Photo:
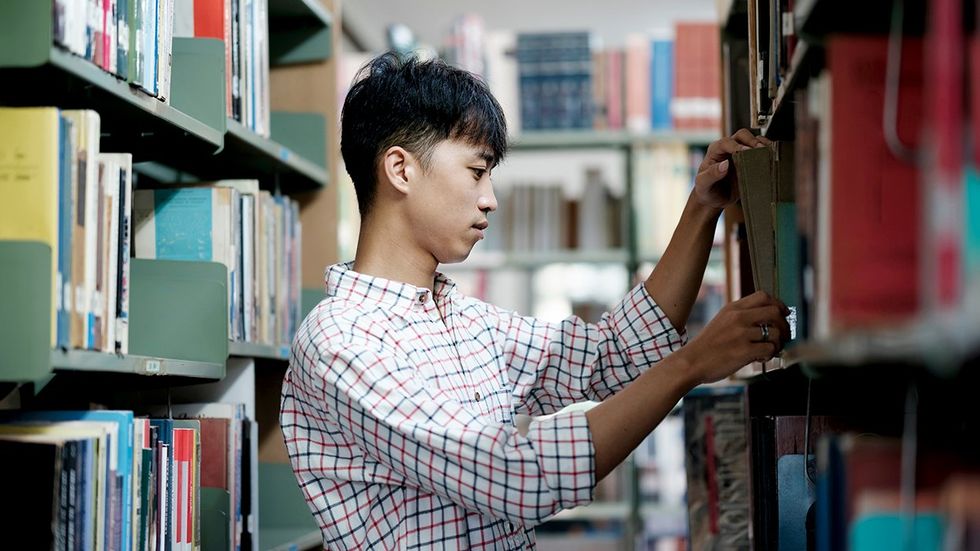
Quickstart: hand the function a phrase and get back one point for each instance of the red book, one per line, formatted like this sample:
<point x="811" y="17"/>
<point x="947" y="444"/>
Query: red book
<point x="874" y="195"/>
<point x="614" y="89"/>
<point x="184" y="486"/>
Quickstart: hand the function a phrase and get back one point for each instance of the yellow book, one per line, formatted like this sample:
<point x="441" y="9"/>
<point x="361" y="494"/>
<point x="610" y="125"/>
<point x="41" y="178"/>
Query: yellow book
<point x="29" y="183"/>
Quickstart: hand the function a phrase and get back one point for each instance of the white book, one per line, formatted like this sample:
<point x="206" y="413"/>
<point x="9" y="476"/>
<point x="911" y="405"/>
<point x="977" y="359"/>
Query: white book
<point x="119" y="318"/>
<point x="165" y="31"/>
<point x="109" y="173"/>
<point x="262" y="224"/>
<point x="248" y="265"/>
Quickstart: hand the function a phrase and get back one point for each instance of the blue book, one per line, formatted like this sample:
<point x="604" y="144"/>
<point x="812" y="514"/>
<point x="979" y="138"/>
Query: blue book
<point x="165" y="432"/>
<point x="63" y="336"/>
<point x="661" y="83"/>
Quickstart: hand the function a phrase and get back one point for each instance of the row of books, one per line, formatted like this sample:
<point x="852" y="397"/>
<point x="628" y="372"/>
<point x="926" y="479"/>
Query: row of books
<point x="547" y="81"/>
<point x="543" y="217"/>
<point x="664" y="175"/>
<point x="243" y="27"/>
<point x="772" y="43"/>
<point x="64" y="192"/>
<point x="837" y="221"/>
<point x="819" y="482"/>
<point x="254" y="234"/>
<point x="132" y="39"/>
<point x="61" y="190"/>
<point x="106" y="480"/>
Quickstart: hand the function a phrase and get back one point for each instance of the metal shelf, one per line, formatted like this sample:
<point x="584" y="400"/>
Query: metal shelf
<point x="132" y="120"/>
<point x="309" y="11"/>
<point x="805" y="58"/>
<point x="489" y="260"/>
<point x="248" y="155"/>
<point x="288" y="539"/>
<point x="937" y="343"/>
<point x="255" y="350"/>
<point x="575" y="139"/>
<point x="91" y="361"/>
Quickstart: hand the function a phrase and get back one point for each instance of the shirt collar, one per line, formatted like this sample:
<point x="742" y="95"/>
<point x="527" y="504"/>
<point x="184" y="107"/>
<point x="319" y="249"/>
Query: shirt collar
<point x="397" y="297"/>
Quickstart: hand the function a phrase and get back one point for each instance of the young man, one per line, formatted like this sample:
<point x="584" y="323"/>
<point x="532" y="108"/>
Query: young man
<point x="398" y="406"/>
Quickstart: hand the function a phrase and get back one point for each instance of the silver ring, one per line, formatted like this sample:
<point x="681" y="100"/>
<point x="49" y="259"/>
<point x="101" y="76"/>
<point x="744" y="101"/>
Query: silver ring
<point x="765" y="331"/>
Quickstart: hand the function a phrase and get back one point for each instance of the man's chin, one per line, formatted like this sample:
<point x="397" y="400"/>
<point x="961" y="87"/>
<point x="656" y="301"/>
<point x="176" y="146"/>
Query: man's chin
<point x="456" y="257"/>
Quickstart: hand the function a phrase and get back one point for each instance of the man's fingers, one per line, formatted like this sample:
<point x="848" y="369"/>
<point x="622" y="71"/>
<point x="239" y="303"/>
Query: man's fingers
<point x="763" y="351"/>
<point x="755" y="300"/>
<point x="747" y="138"/>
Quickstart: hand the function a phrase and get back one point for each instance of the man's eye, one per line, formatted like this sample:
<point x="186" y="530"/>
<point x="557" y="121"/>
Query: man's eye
<point x="479" y="172"/>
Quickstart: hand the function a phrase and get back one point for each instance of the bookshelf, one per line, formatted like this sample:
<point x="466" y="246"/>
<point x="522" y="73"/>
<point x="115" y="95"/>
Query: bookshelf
<point x="891" y="379"/>
<point x="178" y="329"/>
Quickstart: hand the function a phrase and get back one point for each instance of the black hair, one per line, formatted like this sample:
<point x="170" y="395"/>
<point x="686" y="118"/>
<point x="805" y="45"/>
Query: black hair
<point x="414" y="104"/>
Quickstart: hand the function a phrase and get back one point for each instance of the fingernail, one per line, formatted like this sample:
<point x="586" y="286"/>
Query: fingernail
<point x="723" y="166"/>
<point x="744" y="147"/>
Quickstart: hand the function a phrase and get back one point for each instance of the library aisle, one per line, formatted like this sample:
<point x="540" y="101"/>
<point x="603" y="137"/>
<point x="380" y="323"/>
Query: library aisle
<point x="172" y="190"/>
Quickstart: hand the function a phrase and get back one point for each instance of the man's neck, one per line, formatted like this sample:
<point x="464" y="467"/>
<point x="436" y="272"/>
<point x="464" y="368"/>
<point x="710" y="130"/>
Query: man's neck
<point x="383" y="252"/>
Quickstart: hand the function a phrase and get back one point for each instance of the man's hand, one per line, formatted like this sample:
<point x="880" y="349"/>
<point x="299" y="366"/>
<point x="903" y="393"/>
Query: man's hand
<point x="734" y="338"/>
<point x="712" y="187"/>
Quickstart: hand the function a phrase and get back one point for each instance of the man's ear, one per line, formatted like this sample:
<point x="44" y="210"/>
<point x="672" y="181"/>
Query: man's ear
<point x="398" y="168"/>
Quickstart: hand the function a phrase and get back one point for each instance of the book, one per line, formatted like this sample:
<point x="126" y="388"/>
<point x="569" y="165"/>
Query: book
<point x="31" y="192"/>
<point x="874" y="203"/>
<point x="766" y="186"/>
<point x="190" y="224"/>
<point x="33" y="472"/>
<point x="717" y="469"/>
<point x="63" y="292"/>
<point x="120" y="459"/>
<point x="87" y="126"/>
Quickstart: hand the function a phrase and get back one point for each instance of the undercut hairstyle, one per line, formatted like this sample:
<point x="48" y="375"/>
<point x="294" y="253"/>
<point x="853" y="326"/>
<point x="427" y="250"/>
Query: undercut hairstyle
<point x="415" y="105"/>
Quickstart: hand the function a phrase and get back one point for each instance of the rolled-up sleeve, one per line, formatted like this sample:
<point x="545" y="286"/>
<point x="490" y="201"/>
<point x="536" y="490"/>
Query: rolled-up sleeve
<point x="416" y="435"/>
<point x="552" y="365"/>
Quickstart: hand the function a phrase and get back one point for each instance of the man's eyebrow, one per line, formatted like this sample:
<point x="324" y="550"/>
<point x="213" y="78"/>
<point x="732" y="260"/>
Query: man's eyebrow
<point x="485" y="155"/>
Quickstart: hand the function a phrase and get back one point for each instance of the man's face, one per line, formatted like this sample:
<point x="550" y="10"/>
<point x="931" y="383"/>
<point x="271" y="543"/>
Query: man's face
<point x="448" y="211"/>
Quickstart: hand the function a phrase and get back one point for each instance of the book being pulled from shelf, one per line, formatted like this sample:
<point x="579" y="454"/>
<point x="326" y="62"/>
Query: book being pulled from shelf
<point x="254" y="234"/>
<point x="64" y="192"/>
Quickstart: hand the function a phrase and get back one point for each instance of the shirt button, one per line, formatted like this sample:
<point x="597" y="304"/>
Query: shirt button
<point x="422" y="297"/>
<point x="476" y="396"/>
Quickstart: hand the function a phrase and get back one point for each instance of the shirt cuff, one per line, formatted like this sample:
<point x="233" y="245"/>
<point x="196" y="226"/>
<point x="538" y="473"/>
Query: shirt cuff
<point x="645" y="333"/>
<point x="563" y="445"/>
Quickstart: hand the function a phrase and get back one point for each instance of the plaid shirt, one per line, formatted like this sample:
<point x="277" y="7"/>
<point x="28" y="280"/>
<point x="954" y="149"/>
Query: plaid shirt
<point x="399" y="420"/>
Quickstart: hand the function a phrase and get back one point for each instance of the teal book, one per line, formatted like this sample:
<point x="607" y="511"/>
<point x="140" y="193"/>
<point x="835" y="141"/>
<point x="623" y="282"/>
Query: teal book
<point x="196" y="223"/>
<point x="886" y="531"/>
<point x="971" y="237"/>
